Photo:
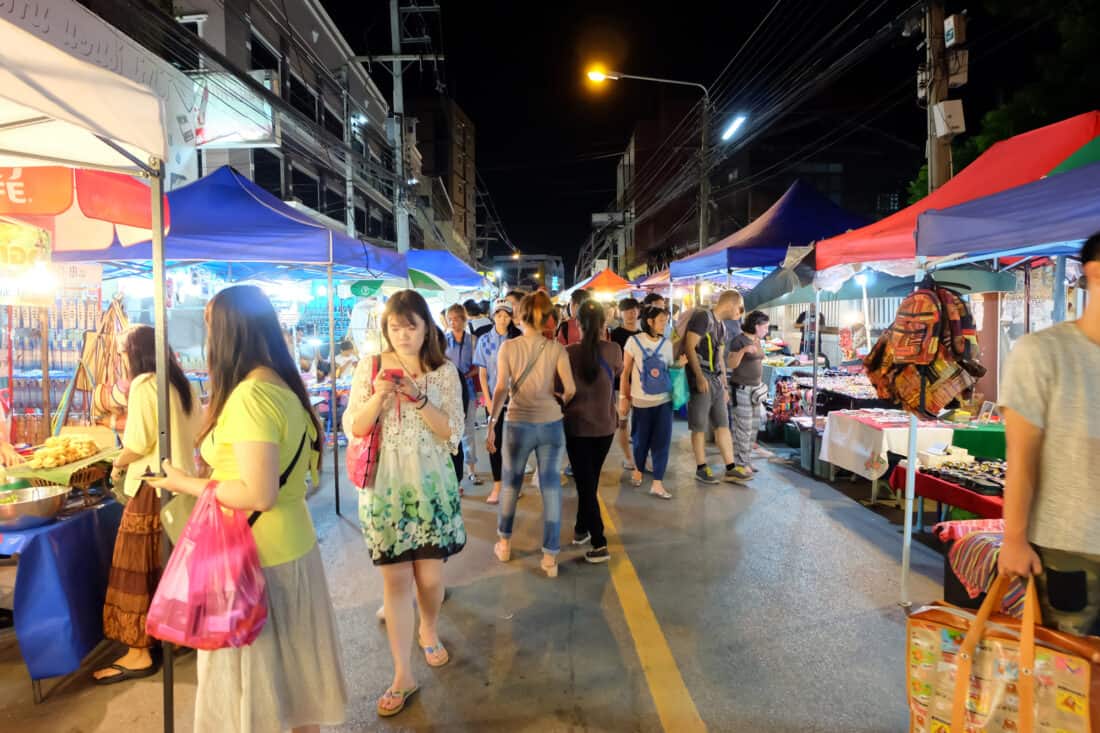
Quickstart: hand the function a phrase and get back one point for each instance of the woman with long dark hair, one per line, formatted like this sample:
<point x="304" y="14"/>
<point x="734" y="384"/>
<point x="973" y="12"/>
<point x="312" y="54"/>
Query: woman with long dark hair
<point x="411" y="514"/>
<point x="136" y="563"/>
<point x="526" y="370"/>
<point x="260" y="427"/>
<point x="590" y="422"/>
<point x="645" y="353"/>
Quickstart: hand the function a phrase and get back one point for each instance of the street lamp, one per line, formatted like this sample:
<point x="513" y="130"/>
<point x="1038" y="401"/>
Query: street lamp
<point x="599" y="75"/>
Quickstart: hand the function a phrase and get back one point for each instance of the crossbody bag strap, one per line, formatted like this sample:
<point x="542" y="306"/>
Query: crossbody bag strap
<point x="530" y="365"/>
<point x="285" y="475"/>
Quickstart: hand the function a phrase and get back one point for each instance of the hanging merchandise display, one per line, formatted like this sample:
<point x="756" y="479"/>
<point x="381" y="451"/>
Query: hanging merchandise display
<point x="927" y="358"/>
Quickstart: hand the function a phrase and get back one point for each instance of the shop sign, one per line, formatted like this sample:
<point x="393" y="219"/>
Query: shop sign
<point x="84" y="35"/>
<point x="25" y="278"/>
<point x="37" y="191"/>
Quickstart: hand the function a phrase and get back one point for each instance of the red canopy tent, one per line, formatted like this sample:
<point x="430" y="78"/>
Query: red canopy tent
<point x="1009" y="163"/>
<point x="606" y="281"/>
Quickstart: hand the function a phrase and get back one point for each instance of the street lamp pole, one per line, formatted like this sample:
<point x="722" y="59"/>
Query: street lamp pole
<point x="704" y="178"/>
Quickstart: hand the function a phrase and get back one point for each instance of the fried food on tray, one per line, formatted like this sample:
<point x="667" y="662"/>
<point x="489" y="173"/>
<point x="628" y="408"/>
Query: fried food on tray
<point x="62" y="450"/>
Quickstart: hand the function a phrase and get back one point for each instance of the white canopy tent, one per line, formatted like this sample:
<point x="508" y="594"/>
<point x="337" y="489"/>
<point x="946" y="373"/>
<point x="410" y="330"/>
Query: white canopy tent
<point x="58" y="110"/>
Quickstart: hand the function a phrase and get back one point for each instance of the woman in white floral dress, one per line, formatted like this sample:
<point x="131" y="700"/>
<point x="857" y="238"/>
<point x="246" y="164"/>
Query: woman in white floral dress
<point x="411" y="515"/>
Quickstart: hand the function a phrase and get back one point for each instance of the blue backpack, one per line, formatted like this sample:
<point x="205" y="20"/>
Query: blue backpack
<point x="655" y="376"/>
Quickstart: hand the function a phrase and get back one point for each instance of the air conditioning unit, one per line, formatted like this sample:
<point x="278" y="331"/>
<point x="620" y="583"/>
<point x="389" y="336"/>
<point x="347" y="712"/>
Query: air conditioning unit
<point x="948" y="118"/>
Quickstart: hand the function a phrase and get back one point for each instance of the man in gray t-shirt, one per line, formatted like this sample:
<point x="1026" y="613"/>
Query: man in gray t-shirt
<point x="1050" y="394"/>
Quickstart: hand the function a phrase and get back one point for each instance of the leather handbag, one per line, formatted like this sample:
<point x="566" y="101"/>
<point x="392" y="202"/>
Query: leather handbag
<point x="969" y="672"/>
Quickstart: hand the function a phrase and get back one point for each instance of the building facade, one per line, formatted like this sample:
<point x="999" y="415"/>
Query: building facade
<point x="449" y="150"/>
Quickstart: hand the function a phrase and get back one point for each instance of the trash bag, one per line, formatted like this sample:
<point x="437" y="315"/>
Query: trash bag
<point x="212" y="592"/>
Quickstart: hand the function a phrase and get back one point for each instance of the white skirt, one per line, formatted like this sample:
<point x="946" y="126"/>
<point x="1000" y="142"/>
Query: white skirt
<point x="291" y="675"/>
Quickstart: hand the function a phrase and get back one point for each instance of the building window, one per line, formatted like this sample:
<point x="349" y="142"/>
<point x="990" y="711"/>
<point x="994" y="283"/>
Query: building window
<point x="334" y="205"/>
<point x="267" y="171"/>
<point x="261" y="55"/>
<point x="332" y="121"/>
<point x="360" y="221"/>
<point x="302" y="98"/>
<point x="187" y="57"/>
<point x="887" y="203"/>
<point x="304" y="188"/>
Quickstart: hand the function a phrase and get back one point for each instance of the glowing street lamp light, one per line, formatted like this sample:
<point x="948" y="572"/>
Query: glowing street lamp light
<point x="736" y="124"/>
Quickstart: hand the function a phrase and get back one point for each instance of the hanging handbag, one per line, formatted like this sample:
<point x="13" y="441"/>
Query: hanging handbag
<point x="680" y="391"/>
<point x="361" y="457"/>
<point x="989" y="672"/>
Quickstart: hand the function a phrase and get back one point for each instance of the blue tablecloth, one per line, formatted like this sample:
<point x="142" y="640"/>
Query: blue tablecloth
<point x="60" y="584"/>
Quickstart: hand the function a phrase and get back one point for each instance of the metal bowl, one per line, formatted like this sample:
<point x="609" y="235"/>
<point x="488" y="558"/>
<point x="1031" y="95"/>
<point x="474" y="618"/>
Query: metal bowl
<point x="33" y="507"/>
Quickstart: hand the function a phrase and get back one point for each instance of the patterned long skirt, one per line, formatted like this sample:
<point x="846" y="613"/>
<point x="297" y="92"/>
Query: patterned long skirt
<point x="135" y="571"/>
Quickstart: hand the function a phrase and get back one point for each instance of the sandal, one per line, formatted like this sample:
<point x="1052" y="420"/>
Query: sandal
<point x="402" y="696"/>
<point x="435" y="656"/>
<point x="493" y="498"/>
<point x="125" y="673"/>
<point x="660" y="493"/>
<point x="636" y="478"/>
<point x="502" y="551"/>
<point x="550" y="568"/>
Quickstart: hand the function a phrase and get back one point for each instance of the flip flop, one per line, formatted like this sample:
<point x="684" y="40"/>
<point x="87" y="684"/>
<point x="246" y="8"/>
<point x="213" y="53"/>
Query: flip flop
<point x="435" y="656"/>
<point x="125" y="673"/>
<point x="491" y="500"/>
<point x="404" y="696"/>
<point x="660" y="494"/>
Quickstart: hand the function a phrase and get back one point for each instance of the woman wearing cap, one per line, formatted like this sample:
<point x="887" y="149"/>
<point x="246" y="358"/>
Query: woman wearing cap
<point x="485" y="359"/>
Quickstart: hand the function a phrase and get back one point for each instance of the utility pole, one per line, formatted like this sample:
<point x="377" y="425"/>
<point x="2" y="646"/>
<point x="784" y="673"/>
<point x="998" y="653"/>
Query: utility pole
<point x="939" y="149"/>
<point x="704" y="176"/>
<point x="400" y="199"/>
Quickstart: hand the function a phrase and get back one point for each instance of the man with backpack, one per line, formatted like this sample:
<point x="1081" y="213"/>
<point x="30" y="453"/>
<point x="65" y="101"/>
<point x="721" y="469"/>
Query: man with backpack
<point x="704" y="345"/>
<point x="1051" y="405"/>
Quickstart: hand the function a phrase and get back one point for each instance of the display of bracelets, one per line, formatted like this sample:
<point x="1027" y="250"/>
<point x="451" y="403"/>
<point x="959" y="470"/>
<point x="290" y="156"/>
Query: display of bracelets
<point x="984" y="477"/>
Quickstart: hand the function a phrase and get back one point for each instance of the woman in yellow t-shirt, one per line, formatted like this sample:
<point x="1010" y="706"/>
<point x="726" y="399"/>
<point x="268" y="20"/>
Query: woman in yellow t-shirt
<point x="259" y="428"/>
<point x="136" y="565"/>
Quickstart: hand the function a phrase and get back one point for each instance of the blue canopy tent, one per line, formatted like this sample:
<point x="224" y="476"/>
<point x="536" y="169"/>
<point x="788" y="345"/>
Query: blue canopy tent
<point x="224" y="217"/>
<point x="800" y="216"/>
<point x="446" y="267"/>
<point x="1051" y="216"/>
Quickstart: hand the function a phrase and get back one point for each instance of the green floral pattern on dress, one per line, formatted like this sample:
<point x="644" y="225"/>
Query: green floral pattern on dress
<point x="414" y="505"/>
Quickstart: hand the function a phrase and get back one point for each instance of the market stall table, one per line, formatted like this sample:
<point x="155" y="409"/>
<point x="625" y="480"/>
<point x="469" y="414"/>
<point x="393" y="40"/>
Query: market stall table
<point x="945" y="492"/>
<point x="859" y="440"/>
<point x="981" y="441"/>
<point x="60" y="585"/>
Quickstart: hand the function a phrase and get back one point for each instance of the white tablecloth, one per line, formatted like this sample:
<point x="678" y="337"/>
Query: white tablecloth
<point x="861" y="448"/>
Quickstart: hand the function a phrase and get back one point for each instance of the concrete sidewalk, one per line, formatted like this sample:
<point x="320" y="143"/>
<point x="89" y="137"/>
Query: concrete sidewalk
<point x="776" y="602"/>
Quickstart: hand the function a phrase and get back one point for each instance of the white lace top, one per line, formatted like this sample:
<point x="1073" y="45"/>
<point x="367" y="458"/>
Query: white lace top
<point x="403" y="426"/>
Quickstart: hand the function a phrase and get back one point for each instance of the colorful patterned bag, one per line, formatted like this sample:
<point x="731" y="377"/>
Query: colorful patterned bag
<point x="970" y="673"/>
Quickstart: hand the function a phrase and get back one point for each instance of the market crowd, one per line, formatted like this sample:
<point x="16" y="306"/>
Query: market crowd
<point x="554" y="389"/>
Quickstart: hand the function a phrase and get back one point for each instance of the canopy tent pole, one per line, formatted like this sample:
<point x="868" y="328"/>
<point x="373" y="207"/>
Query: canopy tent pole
<point x="1059" y="288"/>
<point x="1027" y="297"/>
<point x="160" y="326"/>
<point x="910" y="484"/>
<point x="44" y="336"/>
<point x="813" y="400"/>
<point x="332" y="391"/>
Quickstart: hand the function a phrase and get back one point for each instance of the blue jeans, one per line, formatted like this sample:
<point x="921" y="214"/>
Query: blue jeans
<point x="652" y="434"/>
<point x="547" y="440"/>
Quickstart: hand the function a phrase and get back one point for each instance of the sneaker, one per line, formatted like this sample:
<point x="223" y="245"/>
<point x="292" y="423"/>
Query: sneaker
<point x="568" y="471"/>
<point x="738" y="475"/>
<point x="597" y="555"/>
<point x="475" y="480"/>
<point x="706" y="475"/>
<point x="582" y="539"/>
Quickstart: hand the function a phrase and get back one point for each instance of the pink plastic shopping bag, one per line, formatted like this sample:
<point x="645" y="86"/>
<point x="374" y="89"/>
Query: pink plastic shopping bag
<point x="211" y="594"/>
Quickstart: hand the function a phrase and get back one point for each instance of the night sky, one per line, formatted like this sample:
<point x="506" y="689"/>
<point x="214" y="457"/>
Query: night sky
<point x="544" y="135"/>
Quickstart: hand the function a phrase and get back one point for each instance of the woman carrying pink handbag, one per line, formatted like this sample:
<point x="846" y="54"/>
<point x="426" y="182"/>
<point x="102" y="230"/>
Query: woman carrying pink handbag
<point x="260" y="433"/>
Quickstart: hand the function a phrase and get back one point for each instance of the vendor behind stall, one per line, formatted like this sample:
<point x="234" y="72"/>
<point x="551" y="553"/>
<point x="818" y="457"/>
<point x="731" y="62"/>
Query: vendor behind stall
<point x="135" y="565"/>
